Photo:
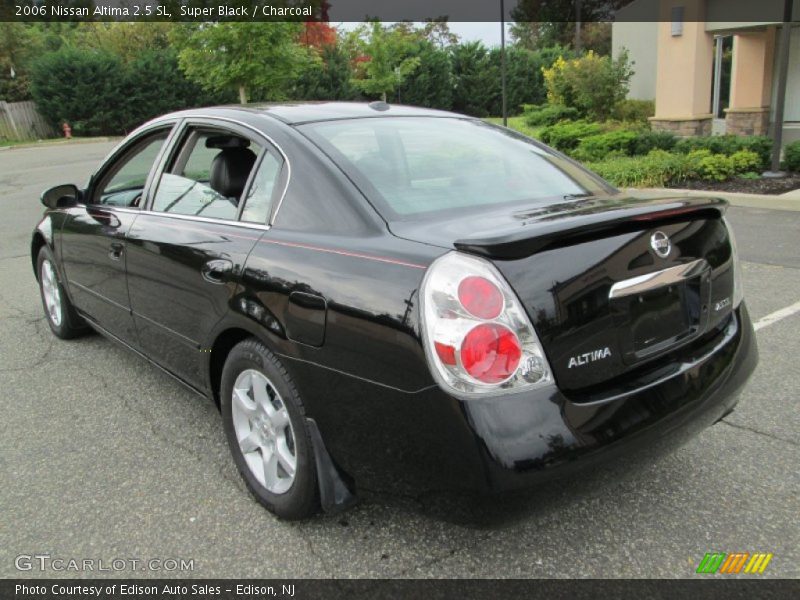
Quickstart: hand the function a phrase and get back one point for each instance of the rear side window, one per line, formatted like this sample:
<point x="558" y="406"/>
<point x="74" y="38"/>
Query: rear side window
<point x="410" y="167"/>
<point x="208" y="175"/>
<point x="262" y="192"/>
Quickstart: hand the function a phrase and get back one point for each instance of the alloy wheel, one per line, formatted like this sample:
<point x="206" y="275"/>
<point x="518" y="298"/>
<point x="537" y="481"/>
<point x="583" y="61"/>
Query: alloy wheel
<point x="264" y="431"/>
<point x="51" y="293"/>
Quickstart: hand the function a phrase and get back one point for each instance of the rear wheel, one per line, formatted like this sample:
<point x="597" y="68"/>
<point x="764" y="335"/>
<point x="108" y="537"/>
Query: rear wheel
<point x="265" y="425"/>
<point x="62" y="317"/>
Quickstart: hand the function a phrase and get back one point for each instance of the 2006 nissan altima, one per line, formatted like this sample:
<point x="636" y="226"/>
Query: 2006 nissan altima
<point x="376" y="293"/>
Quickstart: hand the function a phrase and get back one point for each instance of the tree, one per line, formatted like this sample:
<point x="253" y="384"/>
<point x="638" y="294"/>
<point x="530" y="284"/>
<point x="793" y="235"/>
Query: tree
<point x="317" y="35"/>
<point x="539" y="24"/>
<point x="387" y="65"/>
<point x="437" y="31"/>
<point x="476" y="80"/>
<point x="128" y="40"/>
<point x="431" y="83"/>
<point x="157" y="86"/>
<point x="260" y="59"/>
<point x="327" y="79"/>
<point x="83" y="87"/>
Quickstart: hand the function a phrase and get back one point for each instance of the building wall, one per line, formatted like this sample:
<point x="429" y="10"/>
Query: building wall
<point x="638" y="38"/>
<point x="636" y="29"/>
<point x="791" y="117"/>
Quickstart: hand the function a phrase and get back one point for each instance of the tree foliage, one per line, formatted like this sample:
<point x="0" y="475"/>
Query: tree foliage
<point x="97" y="93"/>
<point x="83" y="87"/>
<point x="255" y="59"/>
<point x="327" y="78"/>
<point x="593" y="84"/>
<point x="387" y="64"/>
<point x="474" y="79"/>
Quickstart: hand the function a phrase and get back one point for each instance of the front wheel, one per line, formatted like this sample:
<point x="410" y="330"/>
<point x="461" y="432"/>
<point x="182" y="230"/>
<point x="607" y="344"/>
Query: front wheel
<point x="266" y="429"/>
<point x="62" y="317"/>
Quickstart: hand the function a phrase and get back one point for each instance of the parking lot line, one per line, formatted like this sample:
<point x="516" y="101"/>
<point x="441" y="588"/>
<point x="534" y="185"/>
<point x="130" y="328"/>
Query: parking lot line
<point x="777" y="316"/>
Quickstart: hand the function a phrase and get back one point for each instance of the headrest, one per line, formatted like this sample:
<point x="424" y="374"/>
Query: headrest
<point x="226" y="141"/>
<point x="229" y="171"/>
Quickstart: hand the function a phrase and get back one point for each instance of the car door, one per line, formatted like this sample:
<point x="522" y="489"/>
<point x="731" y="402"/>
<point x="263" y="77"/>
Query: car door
<point x="93" y="236"/>
<point x="187" y="251"/>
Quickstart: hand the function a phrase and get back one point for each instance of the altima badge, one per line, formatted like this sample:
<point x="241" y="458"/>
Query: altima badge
<point x="585" y="359"/>
<point x="660" y="244"/>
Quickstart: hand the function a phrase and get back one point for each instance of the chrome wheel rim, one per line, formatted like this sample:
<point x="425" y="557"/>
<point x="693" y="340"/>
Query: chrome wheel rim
<point x="264" y="431"/>
<point x="51" y="293"/>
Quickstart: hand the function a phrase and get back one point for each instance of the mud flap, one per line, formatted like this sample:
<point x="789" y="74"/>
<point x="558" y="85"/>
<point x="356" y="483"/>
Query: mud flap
<point x="334" y="494"/>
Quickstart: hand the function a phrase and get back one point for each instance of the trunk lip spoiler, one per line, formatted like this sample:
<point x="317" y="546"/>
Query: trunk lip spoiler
<point x="537" y="234"/>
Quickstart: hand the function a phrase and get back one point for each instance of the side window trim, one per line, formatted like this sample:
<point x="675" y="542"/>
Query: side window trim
<point x="121" y="151"/>
<point x="171" y="153"/>
<point x="165" y="159"/>
<point x="180" y="154"/>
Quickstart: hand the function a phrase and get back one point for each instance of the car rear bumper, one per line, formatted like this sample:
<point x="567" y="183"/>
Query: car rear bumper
<point x="387" y="439"/>
<point x="528" y="440"/>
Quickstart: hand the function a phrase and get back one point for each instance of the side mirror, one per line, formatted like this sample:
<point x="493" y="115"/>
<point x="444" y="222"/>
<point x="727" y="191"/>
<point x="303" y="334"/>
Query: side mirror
<point x="61" y="196"/>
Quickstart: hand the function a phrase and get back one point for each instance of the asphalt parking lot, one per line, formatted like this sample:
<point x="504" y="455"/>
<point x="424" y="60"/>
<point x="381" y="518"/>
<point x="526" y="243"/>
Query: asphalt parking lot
<point x="105" y="457"/>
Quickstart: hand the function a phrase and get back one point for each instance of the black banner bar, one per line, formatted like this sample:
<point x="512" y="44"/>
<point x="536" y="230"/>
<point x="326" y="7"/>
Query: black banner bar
<point x="330" y="589"/>
<point x="734" y="11"/>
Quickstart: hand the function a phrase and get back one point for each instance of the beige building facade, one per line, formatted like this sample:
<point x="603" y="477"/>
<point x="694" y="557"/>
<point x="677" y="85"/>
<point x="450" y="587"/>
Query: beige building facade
<point x="708" y="75"/>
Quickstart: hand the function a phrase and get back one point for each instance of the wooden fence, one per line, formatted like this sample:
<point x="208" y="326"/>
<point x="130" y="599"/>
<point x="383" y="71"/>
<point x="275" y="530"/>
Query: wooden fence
<point x="21" y="121"/>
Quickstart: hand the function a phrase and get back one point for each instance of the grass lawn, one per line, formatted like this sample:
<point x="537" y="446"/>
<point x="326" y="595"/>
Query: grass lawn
<point x="518" y="124"/>
<point x="5" y="143"/>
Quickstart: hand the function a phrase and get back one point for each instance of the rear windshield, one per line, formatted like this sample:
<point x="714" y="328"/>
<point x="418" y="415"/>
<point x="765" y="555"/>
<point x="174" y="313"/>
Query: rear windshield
<point x="411" y="167"/>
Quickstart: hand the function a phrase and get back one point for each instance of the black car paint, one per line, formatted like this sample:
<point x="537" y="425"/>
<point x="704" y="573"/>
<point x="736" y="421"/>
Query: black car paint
<point x="334" y="294"/>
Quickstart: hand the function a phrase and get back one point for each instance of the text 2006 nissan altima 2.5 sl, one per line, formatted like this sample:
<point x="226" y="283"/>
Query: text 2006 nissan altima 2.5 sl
<point x="375" y="293"/>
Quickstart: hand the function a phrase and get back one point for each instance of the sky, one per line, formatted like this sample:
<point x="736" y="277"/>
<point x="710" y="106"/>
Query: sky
<point x="488" y="33"/>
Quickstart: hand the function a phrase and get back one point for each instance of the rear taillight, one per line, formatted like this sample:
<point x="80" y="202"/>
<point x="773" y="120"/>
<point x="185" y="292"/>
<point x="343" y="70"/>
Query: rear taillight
<point x="738" y="290"/>
<point x="478" y="339"/>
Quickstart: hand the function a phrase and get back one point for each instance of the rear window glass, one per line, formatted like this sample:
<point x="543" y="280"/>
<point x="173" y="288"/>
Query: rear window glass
<point x="413" y="167"/>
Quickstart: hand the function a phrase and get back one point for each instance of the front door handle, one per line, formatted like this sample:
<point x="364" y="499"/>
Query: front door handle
<point x="115" y="251"/>
<point x="214" y="271"/>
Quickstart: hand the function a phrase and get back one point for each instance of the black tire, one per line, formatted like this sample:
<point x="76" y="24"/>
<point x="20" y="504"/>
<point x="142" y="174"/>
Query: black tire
<point x="301" y="500"/>
<point x="70" y="324"/>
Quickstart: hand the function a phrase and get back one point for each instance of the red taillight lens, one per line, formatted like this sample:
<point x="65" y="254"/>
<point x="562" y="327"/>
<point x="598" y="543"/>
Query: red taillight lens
<point x="447" y="354"/>
<point x="480" y="297"/>
<point x="490" y="353"/>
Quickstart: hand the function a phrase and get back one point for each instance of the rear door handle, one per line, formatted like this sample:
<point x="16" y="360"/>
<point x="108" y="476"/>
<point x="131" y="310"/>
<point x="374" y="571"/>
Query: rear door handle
<point x="115" y="251"/>
<point x="214" y="271"/>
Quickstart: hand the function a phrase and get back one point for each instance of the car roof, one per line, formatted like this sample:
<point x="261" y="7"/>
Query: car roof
<point x="295" y="113"/>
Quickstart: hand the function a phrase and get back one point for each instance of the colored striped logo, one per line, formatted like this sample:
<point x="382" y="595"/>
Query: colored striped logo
<point x="737" y="562"/>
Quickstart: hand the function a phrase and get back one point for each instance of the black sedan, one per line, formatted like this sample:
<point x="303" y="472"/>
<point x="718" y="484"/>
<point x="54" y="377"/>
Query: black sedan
<point x="390" y="295"/>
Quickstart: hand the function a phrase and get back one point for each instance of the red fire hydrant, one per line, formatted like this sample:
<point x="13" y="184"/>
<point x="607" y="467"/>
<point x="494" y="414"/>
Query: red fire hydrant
<point x="67" y="130"/>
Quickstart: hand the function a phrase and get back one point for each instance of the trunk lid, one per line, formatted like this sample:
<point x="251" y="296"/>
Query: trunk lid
<point x="612" y="285"/>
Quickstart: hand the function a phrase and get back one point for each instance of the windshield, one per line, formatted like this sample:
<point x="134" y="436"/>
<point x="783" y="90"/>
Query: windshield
<point x="411" y="167"/>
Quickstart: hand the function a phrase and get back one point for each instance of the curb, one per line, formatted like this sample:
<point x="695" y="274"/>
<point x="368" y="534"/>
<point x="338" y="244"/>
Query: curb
<point x="62" y="142"/>
<point x="789" y="201"/>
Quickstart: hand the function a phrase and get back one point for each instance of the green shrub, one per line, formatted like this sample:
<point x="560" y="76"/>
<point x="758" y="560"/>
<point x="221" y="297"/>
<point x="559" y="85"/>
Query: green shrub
<point x="635" y="111"/>
<point x="82" y="87"/>
<point x="598" y="147"/>
<point x="98" y="94"/>
<point x="658" y="169"/>
<point x="591" y="83"/>
<point x="792" y="156"/>
<point x="566" y="136"/>
<point x="653" y="140"/>
<point x="547" y="114"/>
<point x="728" y="145"/>
<point x="745" y="161"/>
<point x="713" y="167"/>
